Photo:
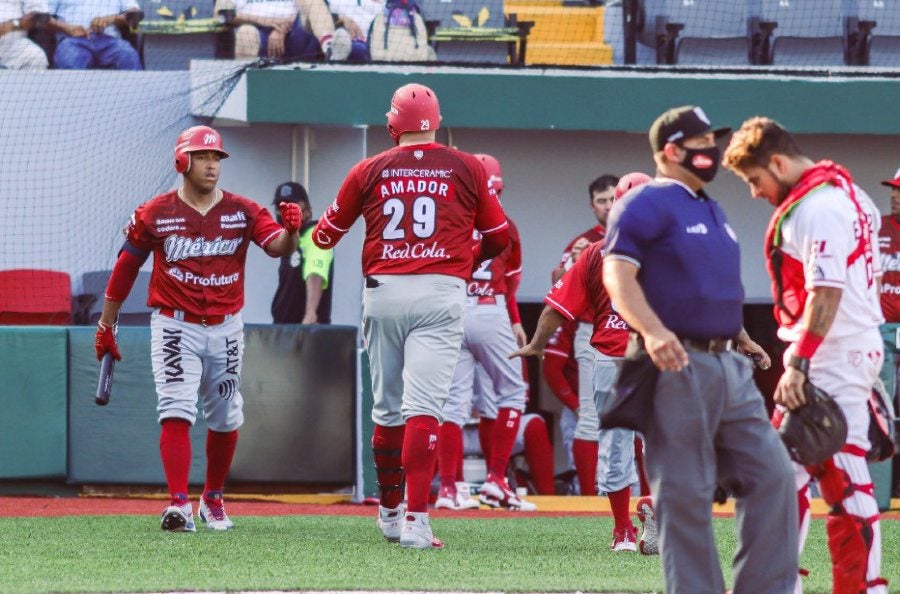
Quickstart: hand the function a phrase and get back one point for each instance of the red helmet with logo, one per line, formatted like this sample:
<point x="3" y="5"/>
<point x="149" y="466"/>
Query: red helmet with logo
<point x="198" y="138"/>
<point x="414" y="108"/>
<point x="630" y="180"/>
<point x="492" y="168"/>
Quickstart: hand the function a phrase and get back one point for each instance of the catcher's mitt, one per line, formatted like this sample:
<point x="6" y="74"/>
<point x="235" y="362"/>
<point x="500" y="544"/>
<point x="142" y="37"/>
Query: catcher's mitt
<point x="815" y="431"/>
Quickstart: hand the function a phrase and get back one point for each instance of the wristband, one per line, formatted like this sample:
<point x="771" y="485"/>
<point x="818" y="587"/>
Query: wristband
<point x="801" y="364"/>
<point x="807" y="344"/>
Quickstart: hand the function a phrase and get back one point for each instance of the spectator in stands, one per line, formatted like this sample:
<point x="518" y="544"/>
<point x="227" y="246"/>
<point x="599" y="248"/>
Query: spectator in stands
<point x="304" y="277"/>
<point x="17" y="52"/>
<point x="88" y="34"/>
<point x="291" y="29"/>
<point x="356" y="17"/>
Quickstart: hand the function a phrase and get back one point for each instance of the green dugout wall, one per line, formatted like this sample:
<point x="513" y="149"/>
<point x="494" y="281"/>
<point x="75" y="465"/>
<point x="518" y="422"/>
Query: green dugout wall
<point x="299" y="387"/>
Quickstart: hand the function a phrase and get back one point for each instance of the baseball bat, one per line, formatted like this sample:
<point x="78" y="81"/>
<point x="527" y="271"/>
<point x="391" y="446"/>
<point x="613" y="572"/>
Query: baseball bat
<point x="104" y="385"/>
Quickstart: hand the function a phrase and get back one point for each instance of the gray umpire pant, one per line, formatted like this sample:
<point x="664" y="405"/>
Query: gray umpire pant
<point x="709" y="426"/>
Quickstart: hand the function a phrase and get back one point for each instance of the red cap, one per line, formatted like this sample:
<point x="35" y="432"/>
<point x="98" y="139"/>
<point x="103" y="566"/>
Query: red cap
<point x="892" y="183"/>
<point x="630" y="180"/>
<point x="492" y="168"/>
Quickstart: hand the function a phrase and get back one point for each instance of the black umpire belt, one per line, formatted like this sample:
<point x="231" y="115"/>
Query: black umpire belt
<point x="713" y="345"/>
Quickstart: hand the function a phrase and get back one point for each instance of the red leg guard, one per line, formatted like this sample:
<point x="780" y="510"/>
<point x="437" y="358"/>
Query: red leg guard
<point x="834" y="482"/>
<point x="849" y="539"/>
<point x="387" y="446"/>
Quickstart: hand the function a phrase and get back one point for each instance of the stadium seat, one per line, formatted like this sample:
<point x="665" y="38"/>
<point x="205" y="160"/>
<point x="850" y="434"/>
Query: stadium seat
<point x="470" y="16"/>
<point x="879" y="23"/>
<point x="134" y="310"/>
<point x="564" y="34"/>
<point x="807" y="32"/>
<point x="701" y="32"/>
<point x="32" y="297"/>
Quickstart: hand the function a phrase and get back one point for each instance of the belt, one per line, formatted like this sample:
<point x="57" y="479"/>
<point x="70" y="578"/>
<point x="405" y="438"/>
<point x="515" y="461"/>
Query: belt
<point x="473" y="300"/>
<point x="177" y="314"/>
<point x="713" y="345"/>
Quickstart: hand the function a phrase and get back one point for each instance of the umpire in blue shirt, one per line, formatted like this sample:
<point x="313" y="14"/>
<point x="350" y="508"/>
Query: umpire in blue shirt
<point x="673" y="271"/>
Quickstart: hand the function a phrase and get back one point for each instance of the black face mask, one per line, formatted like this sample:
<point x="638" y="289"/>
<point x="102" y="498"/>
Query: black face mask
<point x="704" y="163"/>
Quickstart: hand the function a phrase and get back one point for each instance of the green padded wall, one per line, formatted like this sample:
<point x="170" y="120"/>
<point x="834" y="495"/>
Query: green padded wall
<point x="299" y="387"/>
<point x="33" y="400"/>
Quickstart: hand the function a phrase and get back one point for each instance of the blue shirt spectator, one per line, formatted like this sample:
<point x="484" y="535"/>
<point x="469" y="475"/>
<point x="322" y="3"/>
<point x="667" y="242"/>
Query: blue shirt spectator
<point x="666" y="229"/>
<point x="88" y="35"/>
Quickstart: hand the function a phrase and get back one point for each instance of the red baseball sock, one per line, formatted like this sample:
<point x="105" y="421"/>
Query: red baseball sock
<point x="175" y="450"/>
<point x="485" y="434"/>
<point x="387" y="446"/>
<point x="619" y="502"/>
<point x="539" y="454"/>
<point x="220" y="446"/>
<point x="506" y="428"/>
<point x="585" y="454"/>
<point x="450" y="452"/>
<point x="639" y="462"/>
<point x="419" y="456"/>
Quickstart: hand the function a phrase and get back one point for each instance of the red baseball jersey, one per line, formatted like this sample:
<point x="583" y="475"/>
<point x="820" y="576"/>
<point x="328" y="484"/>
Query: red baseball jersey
<point x="889" y="246"/>
<point x="198" y="260"/>
<point x="593" y="235"/>
<point x="420" y="204"/>
<point x="491" y="277"/>
<point x="580" y="292"/>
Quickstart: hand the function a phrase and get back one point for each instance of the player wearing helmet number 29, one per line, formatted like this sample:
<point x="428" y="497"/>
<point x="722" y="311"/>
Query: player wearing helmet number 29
<point x="421" y="202"/>
<point x="198" y="235"/>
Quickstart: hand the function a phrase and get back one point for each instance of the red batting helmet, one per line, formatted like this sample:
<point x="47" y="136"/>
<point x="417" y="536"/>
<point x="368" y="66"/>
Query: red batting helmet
<point x="198" y="138"/>
<point x="492" y="168"/>
<point x="414" y="108"/>
<point x="630" y="180"/>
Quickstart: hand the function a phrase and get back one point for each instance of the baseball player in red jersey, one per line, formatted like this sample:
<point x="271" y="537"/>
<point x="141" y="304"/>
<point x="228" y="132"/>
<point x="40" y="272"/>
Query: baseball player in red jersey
<point x="584" y="444"/>
<point x="198" y="235"/>
<point x="488" y="336"/>
<point x="580" y="293"/>
<point x="889" y="244"/>
<point x="421" y="202"/>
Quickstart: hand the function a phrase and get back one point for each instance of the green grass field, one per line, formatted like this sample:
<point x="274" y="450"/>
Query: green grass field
<point x="131" y="554"/>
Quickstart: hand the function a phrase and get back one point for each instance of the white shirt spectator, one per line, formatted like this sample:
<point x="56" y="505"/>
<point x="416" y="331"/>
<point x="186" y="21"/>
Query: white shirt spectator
<point x="276" y="9"/>
<point x="15" y="9"/>
<point x="362" y="12"/>
<point x="17" y="52"/>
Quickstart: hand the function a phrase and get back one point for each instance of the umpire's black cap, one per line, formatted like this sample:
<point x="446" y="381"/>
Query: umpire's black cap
<point x="291" y="192"/>
<point x="680" y="123"/>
